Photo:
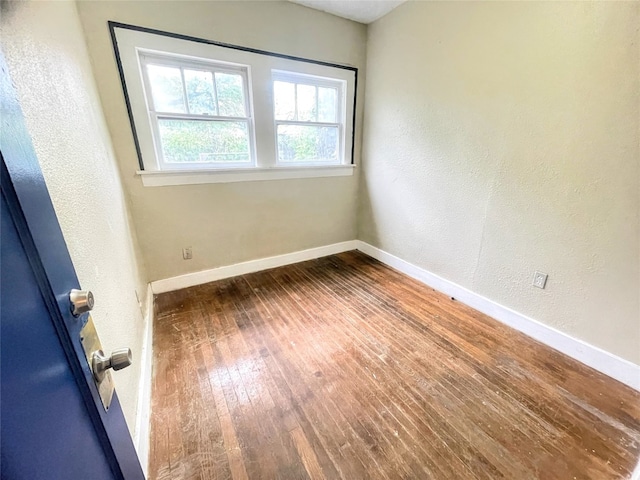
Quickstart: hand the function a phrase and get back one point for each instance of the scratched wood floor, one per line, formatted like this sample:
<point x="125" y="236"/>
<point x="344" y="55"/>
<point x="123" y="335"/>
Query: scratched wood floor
<point x="342" y="368"/>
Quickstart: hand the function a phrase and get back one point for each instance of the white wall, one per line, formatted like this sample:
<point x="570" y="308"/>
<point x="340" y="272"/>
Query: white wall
<point x="228" y="223"/>
<point x="49" y="64"/>
<point x="503" y="137"/>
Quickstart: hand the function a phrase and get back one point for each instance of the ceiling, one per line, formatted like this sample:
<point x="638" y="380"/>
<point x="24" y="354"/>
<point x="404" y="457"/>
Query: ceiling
<point x="363" y="11"/>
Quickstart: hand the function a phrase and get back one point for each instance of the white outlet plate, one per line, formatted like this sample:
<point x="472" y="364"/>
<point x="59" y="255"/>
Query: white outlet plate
<point x="187" y="253"/>
<point x="539" y="279"/>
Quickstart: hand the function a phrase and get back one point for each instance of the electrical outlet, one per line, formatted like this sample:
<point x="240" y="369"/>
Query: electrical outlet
<point x="539" y="279"/>
<point x="187" y="253"/>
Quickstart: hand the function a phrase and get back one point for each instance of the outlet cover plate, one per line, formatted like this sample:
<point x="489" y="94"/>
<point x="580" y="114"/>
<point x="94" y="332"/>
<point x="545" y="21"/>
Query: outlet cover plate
<point x="539" y="279"/>
<point x="187" y="253"/>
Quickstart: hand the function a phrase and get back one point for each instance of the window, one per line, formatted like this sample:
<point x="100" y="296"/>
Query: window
<point x="204" y="112"/>
<point x="308" y="117"/>
<point x="198" y="112"/>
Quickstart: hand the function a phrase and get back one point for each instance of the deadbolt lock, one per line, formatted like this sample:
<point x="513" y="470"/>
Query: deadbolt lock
<point x="81" y="301"/>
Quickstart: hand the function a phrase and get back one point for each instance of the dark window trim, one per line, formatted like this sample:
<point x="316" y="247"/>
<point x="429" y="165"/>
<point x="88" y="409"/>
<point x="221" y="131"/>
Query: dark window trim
<point x="113" y="25"/>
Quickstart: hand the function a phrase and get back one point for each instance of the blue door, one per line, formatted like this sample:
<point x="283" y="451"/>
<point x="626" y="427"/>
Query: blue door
<point x="54" y="425"/>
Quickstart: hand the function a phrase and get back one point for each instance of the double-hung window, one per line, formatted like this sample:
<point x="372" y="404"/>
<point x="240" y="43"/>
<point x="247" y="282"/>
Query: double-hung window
<point x="203" y="112"/>
<point x="309" y="119"/>
<point x="199" y="113"/>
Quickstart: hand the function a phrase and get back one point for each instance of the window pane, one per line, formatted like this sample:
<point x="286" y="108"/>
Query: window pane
<point x="284" y="94"/>
<point x="166" y="89"/>
<point x="306" y="103"/>
<point x="327" y="104"/>
<point x="230" y="95"/>
<point x="200" y="92"/>
<point x="301" y="143"/>
<point x="185" y="141"/>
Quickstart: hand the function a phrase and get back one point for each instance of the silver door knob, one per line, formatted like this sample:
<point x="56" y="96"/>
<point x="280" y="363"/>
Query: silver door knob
<point x="118" y="360"/>
<point x="81" y="301"/>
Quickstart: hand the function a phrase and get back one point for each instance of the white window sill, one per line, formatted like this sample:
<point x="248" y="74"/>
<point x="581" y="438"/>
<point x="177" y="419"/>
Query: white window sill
<point x="192" y="177"/>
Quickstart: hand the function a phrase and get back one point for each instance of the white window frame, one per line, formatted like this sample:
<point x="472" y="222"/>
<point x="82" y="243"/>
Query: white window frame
<point x="131" y="41"/>
<point x="156" y="58"/>
<point x="339" y="85"/>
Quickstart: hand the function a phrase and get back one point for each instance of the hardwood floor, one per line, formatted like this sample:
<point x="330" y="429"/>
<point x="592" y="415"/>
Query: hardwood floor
<point x="343" y="368"/>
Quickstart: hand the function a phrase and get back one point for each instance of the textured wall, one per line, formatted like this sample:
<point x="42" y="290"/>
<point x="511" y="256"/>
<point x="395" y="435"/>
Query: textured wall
<point x="228" y="223"/>
<point x="503" y="137"/>
<point x="49" y="64"/>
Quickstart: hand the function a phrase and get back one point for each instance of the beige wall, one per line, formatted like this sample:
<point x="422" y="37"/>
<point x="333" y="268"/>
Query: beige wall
<point x="500" y="138"/>
<point x="503" y="137"/>
<point x="49" y="64"/>
<point x="228" y="223"/>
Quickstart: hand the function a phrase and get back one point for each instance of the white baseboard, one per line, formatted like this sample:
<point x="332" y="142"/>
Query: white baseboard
<point x="206" y="276"/>
<point x="636" y="473"/>
<point x="143" y="413"/>
<point x="596" y="358"/>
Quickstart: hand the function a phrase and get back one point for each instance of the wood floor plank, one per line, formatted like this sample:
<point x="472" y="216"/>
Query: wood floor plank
<point x="407" y="366"/>
<point x="307" y="454"/>
<point x="398" y="373"/>
<point x="319" y="373"/>
<point x="288" y="409"/>
<point x="352" y="373"/>
<point x="341" y="367"/>
<point x="468" y="347"/>
<point x="280" y="443"/>
<point x="354" y="459"/>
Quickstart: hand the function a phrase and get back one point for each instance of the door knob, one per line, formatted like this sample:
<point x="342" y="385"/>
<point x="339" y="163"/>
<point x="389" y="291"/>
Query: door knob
<point x="118" y="360"/>
<point x="81" y="301"/>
